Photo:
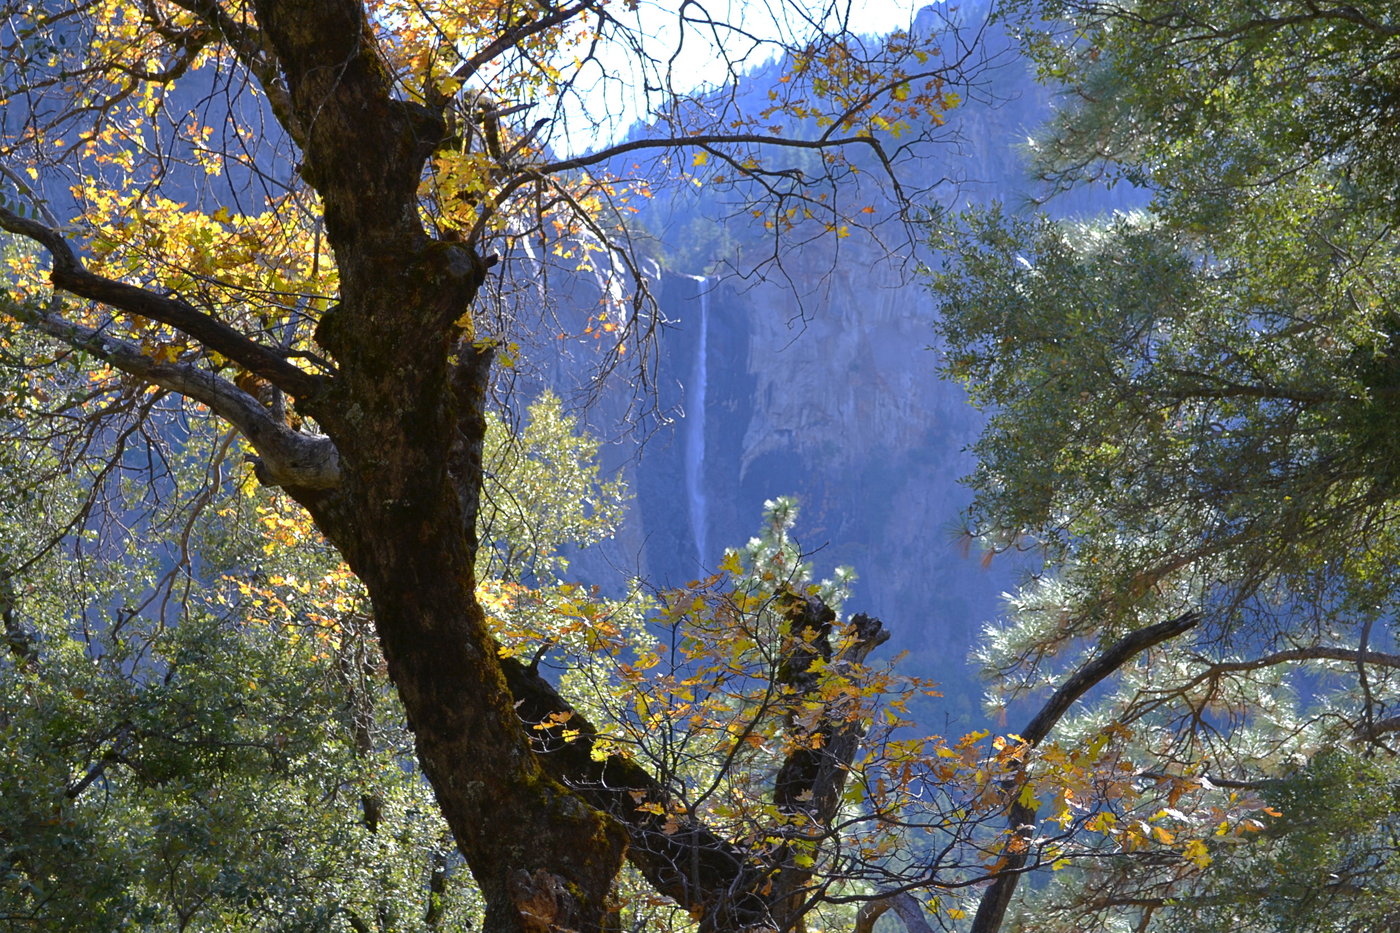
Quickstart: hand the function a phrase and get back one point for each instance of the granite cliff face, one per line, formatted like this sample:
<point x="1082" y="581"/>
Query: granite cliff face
<point x="834" y="400"/>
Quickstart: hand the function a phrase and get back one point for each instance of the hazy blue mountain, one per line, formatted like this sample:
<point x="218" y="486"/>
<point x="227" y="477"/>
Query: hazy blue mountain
<point x="821" y="383"/>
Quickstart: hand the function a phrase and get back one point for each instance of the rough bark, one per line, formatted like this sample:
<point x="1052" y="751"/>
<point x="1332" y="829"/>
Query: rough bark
<point x="809" y="783"/>
<point x="813" y="775"/>
<point x="904" y="906"/>
<point x="544" y="859"/>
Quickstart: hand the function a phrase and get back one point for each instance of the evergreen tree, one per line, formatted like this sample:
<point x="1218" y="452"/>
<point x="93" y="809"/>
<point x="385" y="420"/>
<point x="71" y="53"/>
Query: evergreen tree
<point x="1192" y="410"/>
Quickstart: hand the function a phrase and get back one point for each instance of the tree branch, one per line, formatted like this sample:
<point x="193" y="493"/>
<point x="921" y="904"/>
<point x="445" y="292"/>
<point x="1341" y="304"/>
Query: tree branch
<point x="902" y="903"/>
<point x="70" y="275"/>
<point x="1021" y="819"/>
<point x="704" y="139"/>
<point x="513" y="36"/>
<point x="1378" y="728"/>
<point x="812" y="776"/>
<point x="289" y="458"/>
<point x="678" y="854"/>
<point x="1347" y="14"/>
<point x="1226" y="389"/>
<point x="248" y="45"/>
<point x="1355" y="656"/>
<point x="1314" y="653"/>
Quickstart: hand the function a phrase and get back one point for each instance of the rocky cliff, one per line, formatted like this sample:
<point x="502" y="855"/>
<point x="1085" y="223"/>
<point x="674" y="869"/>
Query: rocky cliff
<point x="821" y="383"/>
<point x="835" y="401"/>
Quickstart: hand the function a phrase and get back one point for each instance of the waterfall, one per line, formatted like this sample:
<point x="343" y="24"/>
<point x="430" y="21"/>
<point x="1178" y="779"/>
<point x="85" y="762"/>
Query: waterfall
<point x="695" y="427"/>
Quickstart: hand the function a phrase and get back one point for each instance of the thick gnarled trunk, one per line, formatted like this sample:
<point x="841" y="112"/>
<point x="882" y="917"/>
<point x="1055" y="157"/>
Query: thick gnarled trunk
<point x="544" y="860"/>
<point x="395" y="412"/>
<point x="408" y="425"/>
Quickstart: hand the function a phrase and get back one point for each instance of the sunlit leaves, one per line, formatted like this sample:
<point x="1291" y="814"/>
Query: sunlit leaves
<point x="264" y="262"/>
<point x="549" y="494"/>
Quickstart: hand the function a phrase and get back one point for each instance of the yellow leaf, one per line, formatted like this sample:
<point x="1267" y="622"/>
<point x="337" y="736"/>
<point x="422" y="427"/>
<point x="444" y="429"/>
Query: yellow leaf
<point x="1028" y="798"/>
<point x="701" y="158"/>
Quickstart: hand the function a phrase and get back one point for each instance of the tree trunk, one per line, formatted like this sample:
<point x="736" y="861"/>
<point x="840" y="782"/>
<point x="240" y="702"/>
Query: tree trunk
<point x="543" y="858"/>
<point x="402" y="411"/>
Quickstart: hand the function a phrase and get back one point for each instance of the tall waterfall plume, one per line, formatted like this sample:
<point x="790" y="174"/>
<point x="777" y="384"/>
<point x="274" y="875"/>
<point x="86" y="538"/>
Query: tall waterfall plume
<point x="695" y="426"/>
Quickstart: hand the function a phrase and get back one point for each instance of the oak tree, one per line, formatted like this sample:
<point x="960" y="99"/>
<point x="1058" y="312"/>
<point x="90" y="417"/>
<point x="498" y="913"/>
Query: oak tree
<point x="197" y="727"/>
<point x="321" y="222"/>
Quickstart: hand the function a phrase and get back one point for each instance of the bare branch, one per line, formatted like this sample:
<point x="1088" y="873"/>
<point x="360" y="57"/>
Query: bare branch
<point x="290" y="458"/>
<point x="1088" y="676"/>
<point x="248" y="45"/>
<point x="1291" y="655"/>
<point x="1379" y="727"/>
<point x="703" y="139"/>
<point x="1314" y="653"/>
<point x="513" y="36"/>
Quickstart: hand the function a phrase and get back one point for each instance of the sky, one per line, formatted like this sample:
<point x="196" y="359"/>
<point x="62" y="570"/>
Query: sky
<point x="612" y="104"/>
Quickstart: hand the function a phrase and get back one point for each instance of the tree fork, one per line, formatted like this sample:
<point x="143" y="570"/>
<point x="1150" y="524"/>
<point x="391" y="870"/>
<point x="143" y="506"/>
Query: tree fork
<point x="726" y="886"/>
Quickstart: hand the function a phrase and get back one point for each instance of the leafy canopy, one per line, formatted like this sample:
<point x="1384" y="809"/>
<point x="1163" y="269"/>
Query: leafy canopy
<point x="1190" y="410"/>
